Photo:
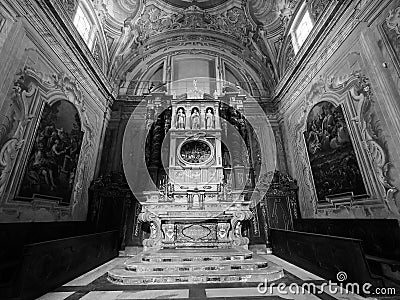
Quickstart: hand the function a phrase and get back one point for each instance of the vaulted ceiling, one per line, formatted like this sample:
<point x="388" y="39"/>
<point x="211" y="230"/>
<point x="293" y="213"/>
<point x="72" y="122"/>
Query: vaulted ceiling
<point x="254" y="32"/>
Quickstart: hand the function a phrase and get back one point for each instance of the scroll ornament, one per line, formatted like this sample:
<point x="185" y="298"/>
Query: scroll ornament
<point x="393" y="20"/>
<point x="19" y="115"/>
<point x="372" y="138"/>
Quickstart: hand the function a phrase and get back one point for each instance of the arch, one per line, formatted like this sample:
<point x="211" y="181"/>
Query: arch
<point x="210" y="108"/>
<point x="133" y="73"/>
<point x="237" y="78"/>
<point x="144" y="83"/>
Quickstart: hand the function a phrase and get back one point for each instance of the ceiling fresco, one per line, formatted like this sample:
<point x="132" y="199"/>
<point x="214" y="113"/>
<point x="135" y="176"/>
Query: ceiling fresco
<point x="256" y="31"/>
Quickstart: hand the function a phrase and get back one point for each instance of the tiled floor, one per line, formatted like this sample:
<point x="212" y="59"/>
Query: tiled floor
<point x="94" y="286"/>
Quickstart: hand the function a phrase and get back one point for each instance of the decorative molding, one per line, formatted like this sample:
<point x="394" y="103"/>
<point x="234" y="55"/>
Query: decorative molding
<point x="290" y="84"/>
<point x="303" y="169"/>
<point x="373" y="139"/>
<point x="390" y="35"/>
<point x="357" y="86"/>
<point x="67" y="45"/>
<point x="156" y="54"/>
<point x="236" y="228"/>
<point x="70" y="7"/>
<point x="350" y="14"/>
<point x="154" y="21"/>
<point x="154" y="241"/>
<point x="17" y="129"/>
<point x="317" y="8"/>
<point x="393" y="20"/>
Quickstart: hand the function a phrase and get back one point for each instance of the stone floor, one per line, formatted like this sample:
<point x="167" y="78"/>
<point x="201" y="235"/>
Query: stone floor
<point x="94" y="286"/>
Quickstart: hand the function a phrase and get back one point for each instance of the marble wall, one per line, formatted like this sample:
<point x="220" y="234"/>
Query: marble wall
<point x="353" y="63"/>
<point x="39" y="68"/>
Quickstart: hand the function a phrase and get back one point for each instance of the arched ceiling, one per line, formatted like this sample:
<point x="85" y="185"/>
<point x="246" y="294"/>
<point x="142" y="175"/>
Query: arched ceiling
<point x="251" y="31"/>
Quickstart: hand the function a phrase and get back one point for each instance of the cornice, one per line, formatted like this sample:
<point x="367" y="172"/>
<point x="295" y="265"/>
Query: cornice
<point x="312" y="59"/>
<point x="316" y="37"/>
<point x="79" y="46"/>
<point x="54" y="25"/>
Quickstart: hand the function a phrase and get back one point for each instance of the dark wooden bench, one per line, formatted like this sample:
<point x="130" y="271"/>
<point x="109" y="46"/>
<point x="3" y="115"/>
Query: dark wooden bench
<point x="324" y="255"/>
<point x="14" y="236"/>
<point x="380" y="237"/>
<point x="43" y="266"/>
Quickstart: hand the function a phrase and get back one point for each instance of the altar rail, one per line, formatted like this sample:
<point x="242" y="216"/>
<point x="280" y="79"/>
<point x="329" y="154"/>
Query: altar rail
<point x="324" y="255"/>
<point x="37" y="268"/>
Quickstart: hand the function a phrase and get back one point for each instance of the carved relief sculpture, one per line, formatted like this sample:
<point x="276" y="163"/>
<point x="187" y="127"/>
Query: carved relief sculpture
<point x="373" y="138"/>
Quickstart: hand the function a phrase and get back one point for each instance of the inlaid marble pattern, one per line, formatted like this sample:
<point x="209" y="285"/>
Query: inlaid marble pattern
<point x="94" y="286"/>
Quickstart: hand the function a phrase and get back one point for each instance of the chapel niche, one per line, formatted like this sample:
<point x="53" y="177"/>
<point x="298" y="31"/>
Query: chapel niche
<point x="51" y="167"/>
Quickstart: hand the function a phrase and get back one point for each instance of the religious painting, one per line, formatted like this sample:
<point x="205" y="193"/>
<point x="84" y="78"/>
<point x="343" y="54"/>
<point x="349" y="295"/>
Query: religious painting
<point x="51" y="167"/>
<point x="195" y="152"/>
<point x="332" y="157"/>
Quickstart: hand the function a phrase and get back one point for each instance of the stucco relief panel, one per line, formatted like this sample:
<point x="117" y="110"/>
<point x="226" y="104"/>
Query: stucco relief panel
<point x="307" y="196"/>
<point x="355" y="94"/>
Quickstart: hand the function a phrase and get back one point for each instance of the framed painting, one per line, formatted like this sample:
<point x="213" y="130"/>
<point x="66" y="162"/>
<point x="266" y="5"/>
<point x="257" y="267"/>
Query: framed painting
<point x="50" y="170"/>
<point x="333" y="161"/>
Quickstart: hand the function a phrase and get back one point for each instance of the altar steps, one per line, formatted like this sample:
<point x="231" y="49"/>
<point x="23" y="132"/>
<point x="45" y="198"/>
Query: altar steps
<point x="190" y="267"/>
<point x="196" y="254"/>
<point x="195" y="266"/>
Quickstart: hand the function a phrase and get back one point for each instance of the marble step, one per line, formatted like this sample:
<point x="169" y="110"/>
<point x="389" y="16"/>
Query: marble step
<point x="195" y="266"/>
<point x="122" y="276"/>
<point x="196" y="255"/>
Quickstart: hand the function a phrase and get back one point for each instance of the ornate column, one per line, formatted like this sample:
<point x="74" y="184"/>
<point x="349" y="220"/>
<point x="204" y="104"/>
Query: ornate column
<point x="236" y="228"/>
<point x="202" y="117"/>
<point x="188" y="114"/>
<point x="154" y="241"/>
<point x="169" y="233"/>
<point x="155" y="154"/>
<point x="173" y="119"/>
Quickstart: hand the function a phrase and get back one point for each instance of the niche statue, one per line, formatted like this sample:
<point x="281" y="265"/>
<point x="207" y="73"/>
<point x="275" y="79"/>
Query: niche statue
<point x="195" y="118"/>
<point x="209" y="118"/>
<point x="180" y="119"/>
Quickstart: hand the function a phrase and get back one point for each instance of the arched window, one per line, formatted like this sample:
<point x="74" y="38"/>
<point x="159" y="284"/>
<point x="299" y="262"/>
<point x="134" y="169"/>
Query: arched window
<point x="85" y="25"/>
<point x="301" y="27"/>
